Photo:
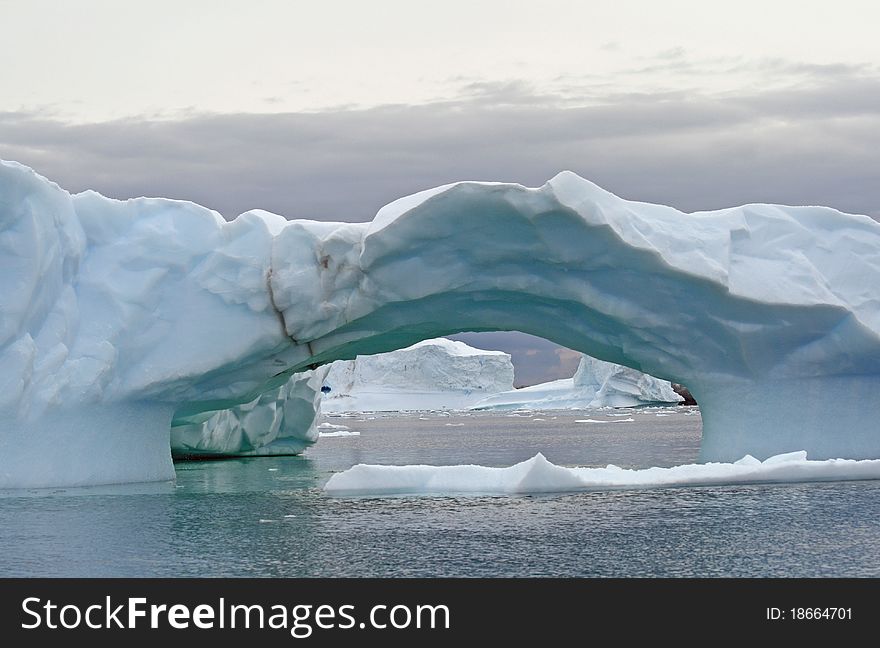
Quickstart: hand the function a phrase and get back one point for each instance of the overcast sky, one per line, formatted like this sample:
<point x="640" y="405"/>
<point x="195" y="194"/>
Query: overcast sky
<point x="331" y="110"/>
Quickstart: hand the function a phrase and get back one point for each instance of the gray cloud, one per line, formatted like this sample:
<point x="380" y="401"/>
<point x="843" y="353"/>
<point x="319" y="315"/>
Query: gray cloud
<point x="816" y="142"/>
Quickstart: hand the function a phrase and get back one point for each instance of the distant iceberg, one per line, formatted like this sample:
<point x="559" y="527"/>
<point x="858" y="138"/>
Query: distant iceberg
<point x="538" y="475"/>
<point x="431" y="375"/>
<point x="120" y="319"/>
<point x="595" y="384"/>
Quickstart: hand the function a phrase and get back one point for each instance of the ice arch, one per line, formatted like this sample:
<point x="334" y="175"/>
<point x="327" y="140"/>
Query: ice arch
<point x="118" y="317"/>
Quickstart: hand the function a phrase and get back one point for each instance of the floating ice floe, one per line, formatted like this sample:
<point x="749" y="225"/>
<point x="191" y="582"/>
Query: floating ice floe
<point x="538" y="475"/>
<point x="589" y="420"/>
<point x="326" y="425"/>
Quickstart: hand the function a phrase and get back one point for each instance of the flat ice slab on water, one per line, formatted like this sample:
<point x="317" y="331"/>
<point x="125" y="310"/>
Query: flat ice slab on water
<point x="626" y="420"/>
<point x="330" y="430"/>
<point x="538" y="475"/>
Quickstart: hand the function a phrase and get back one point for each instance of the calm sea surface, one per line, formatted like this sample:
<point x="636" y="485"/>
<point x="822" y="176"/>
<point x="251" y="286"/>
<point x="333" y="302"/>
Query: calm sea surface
<point x="269" y="516"/>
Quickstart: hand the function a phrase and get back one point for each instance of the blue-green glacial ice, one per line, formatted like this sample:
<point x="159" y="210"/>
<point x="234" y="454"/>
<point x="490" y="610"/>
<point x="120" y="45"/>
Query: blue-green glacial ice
<point x="123" y="318"/>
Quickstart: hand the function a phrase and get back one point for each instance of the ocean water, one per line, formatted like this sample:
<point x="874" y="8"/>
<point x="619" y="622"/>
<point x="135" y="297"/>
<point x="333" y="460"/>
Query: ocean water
<point x="269" y="516"/>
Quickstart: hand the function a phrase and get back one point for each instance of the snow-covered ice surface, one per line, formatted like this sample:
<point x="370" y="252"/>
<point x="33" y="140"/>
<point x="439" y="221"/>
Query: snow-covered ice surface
<point x="430" y="375"/>
<point x="279" y="422"/>
<point x="121" y="317"/>
<point x="538" y="475"/>
<point x="595" y="384"/>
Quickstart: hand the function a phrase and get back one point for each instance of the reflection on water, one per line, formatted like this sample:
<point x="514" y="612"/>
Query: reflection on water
<point x="268" y="516"/>
<point x="246" y="474"/>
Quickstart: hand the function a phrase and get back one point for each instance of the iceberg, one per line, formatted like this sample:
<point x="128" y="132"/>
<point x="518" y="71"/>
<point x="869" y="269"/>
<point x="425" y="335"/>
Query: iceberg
<point x="430" y="375"/>
<point x="538" y="475"/>
<point x="595" y="384"/>
<point x="282" y="421"/>
<point x="119" y="319"/>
